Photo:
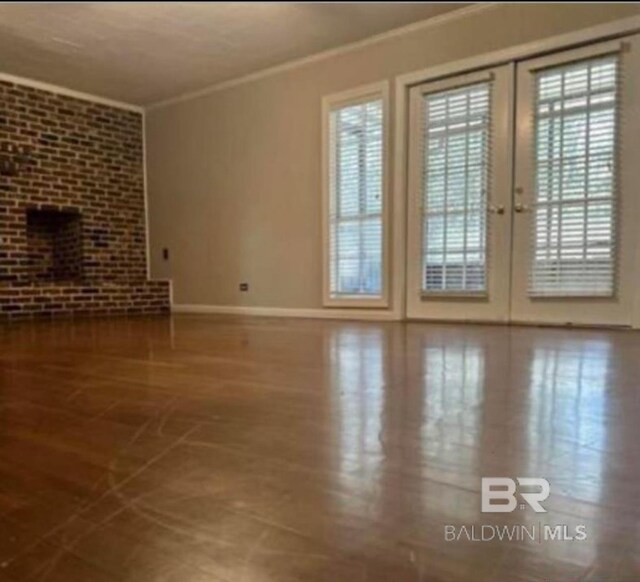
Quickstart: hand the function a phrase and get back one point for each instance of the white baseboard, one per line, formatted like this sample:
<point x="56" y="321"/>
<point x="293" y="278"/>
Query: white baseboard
<point x="362" y="314"/>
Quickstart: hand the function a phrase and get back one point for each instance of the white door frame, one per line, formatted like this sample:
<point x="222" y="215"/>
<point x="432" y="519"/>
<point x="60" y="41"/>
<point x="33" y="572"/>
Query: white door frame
<point x="616" y="309"/>
<point x="403" y="83"/>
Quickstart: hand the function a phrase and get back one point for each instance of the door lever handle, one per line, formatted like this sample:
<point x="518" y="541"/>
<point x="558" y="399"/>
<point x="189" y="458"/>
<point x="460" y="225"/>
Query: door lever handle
<point x="493" y="209"/>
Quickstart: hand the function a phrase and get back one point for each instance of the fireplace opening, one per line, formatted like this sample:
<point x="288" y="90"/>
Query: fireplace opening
<point x="54" y="243"/>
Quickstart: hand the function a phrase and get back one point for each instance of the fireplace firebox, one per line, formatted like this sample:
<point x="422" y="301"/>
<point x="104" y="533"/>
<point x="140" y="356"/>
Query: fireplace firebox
<point x="54" y="245"/>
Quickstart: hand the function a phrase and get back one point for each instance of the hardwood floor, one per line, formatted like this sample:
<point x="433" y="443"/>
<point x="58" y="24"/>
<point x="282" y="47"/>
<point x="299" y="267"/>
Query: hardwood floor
<point x="213" y="449"/>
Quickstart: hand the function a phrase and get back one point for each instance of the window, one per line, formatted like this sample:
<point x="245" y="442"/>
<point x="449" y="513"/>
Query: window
<point x="455" y="179"/>
<point x="574" y="234"/>
<point x="356" y="198"/>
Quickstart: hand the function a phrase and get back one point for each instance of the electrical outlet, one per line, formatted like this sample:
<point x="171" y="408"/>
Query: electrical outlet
<point x="244" y="287"/>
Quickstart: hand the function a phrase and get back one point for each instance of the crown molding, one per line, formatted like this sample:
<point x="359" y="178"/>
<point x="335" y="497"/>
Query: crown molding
<point x="297" y="63"/>
<point x="59" y="90"/>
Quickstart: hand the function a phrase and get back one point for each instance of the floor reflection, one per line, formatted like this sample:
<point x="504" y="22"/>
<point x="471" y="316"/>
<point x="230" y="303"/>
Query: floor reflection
<point x="277" y="450"/>
<point x="452" y="387"/>
<point x="567" y="416"/>
<point x="454" y="378"/>
<point x="358" y="372"/>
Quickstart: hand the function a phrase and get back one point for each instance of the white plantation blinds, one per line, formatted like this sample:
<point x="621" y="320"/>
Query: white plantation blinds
<point x="574" y="212"/>
<point x="356" y="200"/>
<point x="457" y="126"/>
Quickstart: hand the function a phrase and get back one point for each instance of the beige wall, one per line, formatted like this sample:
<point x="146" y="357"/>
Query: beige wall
<point x="234" y="176"/>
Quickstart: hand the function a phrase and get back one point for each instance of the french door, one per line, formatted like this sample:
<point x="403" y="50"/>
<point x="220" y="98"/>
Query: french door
<point x="524" y="188"/>
<point x="459" y="230"/>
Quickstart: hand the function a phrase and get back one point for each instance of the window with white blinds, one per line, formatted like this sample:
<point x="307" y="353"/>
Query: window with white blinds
<point x="574" y="212"/>
<point x="356" y="199"/>
<point x="455" y="182"/>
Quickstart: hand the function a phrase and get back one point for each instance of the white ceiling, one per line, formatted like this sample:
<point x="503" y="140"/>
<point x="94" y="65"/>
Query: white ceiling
<point x="145" y="52"/>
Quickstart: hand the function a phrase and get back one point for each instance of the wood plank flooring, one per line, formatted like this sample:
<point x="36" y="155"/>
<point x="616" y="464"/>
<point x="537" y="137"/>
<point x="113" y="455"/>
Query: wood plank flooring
<point x="215" y="449"/>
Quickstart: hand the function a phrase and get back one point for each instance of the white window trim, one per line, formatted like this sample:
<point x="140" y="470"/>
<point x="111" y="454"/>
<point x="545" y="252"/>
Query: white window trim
<point x="330" y="102"/>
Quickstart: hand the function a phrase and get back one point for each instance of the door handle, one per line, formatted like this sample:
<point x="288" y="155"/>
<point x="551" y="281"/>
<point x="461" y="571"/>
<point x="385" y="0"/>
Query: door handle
<point x="521" y="208"/>
<point x="493" y="209"/>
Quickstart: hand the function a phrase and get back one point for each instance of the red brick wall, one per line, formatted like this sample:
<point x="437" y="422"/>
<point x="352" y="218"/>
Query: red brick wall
<point x="29" y="301"/>
<point x="87" y="158"/>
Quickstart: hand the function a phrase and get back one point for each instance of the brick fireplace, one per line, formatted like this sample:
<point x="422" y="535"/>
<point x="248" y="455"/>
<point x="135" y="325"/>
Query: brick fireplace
<point x="72" y="208"/>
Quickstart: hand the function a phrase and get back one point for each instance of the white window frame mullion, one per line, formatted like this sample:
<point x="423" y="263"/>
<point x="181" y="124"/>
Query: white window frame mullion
<point x="338" y="170"/>
<point x="331" y="102"/>
<point x="362" y="190"/>
<point x="465" y="251"/>
<point x="585" y="225"/>
<point x="445" y="214"/>
<point x="562" y="121"/>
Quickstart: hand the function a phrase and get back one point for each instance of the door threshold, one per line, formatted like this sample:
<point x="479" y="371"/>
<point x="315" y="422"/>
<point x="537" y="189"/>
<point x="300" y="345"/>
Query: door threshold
<point x="523" y="323"/>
